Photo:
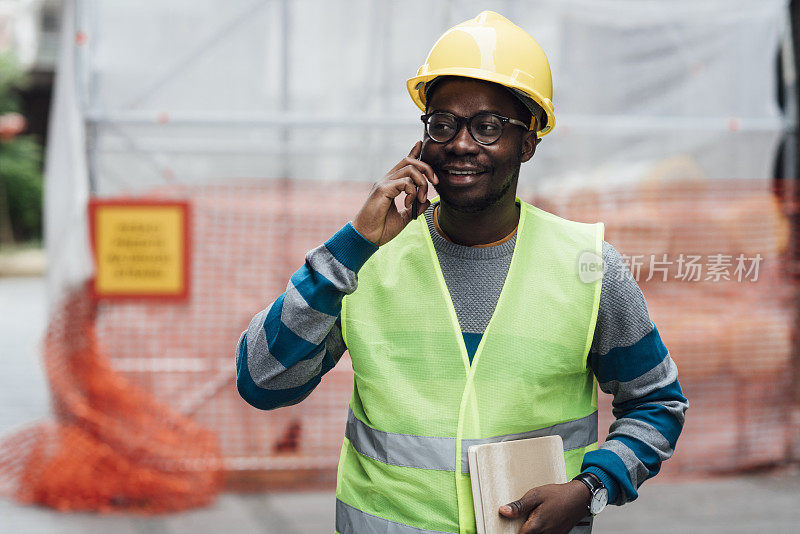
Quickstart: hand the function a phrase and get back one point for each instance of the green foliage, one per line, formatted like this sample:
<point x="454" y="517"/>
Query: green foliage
<point x="20" y="163"/>
<point x="22" y="181"/>
<point x="11" y="78"/>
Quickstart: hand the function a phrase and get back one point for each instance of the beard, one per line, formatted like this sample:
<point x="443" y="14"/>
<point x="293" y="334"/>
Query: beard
<point x="474" y="205"/>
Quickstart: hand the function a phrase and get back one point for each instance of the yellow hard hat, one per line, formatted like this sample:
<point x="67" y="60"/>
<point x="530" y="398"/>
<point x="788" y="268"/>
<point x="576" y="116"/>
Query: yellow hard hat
<point x="490" y="47"/>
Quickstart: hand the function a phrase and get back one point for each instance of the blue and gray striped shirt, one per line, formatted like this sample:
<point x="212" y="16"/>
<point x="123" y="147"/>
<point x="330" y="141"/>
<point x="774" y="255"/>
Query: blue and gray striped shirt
<point x="291" y="344"/>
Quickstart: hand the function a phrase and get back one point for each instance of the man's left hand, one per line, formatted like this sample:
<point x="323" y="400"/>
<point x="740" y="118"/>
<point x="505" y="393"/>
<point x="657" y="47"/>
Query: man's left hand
<point x="550" y="509"/>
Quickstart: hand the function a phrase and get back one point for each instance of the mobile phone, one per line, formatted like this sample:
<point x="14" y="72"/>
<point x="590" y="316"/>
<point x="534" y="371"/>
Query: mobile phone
<point x="415" y="202"/>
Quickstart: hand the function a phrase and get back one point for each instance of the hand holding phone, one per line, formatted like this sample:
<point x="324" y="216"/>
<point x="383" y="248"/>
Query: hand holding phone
<point x="379" y="219"/>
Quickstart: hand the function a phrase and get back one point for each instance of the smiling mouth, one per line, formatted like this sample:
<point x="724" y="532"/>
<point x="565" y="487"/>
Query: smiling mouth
<point x="464" y="173"/>
<point x="463" y="177"/>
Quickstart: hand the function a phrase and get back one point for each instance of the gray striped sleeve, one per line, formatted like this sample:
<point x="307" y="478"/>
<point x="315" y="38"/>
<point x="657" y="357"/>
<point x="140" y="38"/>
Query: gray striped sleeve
<point x="675" y="408"/>
<point x="622" y="317"/>
<point x="662" y="375"/>
<point x="623" y="321"/>
<point x="637" y="471"/>
<point x="323" y="262"/>
<point x="307" y="323"/>
<point x="645" y="433"/>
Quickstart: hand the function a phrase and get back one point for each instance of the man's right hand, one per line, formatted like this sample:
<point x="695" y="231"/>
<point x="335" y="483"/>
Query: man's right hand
<point x="379" y="220"/>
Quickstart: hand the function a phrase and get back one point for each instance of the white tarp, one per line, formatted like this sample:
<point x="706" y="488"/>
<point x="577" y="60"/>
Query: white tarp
<point x="199" y="91"/>
<point x="66" y="177"/>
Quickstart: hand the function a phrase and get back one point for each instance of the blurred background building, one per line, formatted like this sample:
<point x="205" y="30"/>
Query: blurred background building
<point x="30" y="28"/>
<point x="268" y="121"/>
<point x="28" y="54"/>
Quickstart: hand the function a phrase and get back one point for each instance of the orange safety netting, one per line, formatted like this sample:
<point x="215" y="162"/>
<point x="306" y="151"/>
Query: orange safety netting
<point x="114" y="447"/>
<point x="730" y="324"/>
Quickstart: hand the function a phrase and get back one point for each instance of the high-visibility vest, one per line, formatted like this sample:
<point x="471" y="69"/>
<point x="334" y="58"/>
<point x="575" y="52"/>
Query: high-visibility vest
<point x="418" y="403"/>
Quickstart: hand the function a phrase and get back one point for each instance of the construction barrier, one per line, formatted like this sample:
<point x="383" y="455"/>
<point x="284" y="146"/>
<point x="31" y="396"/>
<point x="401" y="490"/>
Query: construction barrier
<point x="147" y="416"/>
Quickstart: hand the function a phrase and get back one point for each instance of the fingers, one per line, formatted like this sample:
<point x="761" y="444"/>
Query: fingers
<point x="416" y="150"/>
<point x="521" y="507"/>
<point x="416" y="176"/>
<point x="410" y="176"/>
<point x="424" y="168"/>
<point x="392" y="188"/>
<point x="406" y="213"/>
<point x="532" y="525"/>
<point x="413" y="160"/>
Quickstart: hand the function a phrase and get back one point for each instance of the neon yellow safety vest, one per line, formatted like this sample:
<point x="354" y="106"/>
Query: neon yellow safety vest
<point x="418" y="404"/>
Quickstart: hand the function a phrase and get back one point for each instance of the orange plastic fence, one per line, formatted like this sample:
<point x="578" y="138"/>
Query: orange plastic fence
<point x="146" y="407"/>
<point x="114" y="447"/>
<point x="729" y="321"/>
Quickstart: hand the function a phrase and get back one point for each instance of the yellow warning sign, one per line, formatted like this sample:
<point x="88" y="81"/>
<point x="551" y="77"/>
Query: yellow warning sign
<point x="141" y="248"/>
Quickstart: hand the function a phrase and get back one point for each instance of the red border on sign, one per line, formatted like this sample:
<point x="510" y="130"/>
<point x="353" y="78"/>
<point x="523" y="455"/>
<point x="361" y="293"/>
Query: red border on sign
<point x="184" y="206"/>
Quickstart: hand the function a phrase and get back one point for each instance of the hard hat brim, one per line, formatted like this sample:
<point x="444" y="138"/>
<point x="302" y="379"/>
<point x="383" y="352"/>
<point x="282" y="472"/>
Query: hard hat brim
<point x="416" y="88"/>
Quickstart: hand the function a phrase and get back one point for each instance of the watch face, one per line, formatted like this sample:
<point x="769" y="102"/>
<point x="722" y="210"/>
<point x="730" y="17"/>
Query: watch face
<point x="599" y="501"/>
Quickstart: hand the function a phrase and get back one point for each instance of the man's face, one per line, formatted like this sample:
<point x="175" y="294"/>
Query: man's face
<point x="497" y="164"/>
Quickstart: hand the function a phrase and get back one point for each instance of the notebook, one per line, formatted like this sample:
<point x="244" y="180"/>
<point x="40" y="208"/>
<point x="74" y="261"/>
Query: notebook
<point x="503" y="472"/>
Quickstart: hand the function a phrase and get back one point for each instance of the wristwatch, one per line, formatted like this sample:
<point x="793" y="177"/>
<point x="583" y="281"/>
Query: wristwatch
<point x="598" y="490"/>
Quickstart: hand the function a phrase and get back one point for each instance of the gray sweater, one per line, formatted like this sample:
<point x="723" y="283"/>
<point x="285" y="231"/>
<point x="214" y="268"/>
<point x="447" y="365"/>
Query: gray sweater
<point x="292" y="343"/>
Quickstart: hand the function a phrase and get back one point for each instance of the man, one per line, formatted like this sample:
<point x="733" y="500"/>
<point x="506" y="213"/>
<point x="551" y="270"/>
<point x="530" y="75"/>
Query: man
<point x="470" y="323"/>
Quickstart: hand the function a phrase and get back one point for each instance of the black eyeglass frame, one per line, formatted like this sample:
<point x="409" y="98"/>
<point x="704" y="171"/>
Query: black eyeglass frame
<point x="468" y="122"/>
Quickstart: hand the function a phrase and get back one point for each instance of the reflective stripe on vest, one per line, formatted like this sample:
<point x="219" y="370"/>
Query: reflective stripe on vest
<point x="418" y="401"/>
<point x="351" y="520"/>
<point x="431" y="452"/>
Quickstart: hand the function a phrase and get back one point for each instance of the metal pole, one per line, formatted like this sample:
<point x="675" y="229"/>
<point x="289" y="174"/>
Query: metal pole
<point x="627" y="123"/>
<point x="285" y="187"/>
<point x="283" y="95"/>
<point x="792" y="148"/>
<point x="81" y="39"/>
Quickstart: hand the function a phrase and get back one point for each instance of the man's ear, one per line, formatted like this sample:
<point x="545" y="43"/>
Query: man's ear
<point x="529" y="144"/>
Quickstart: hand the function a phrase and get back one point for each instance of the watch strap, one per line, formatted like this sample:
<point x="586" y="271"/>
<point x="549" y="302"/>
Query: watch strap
<point x="595" y="486"/>
<point x="592" y="482"/>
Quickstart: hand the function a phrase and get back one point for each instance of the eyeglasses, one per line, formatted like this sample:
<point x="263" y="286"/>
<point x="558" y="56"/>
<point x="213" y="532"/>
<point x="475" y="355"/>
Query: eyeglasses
<point x="485" y="127"/>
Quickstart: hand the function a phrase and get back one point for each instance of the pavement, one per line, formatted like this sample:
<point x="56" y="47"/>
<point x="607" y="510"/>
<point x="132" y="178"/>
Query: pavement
<point x="22" y="261"/>
<point x="753" y="503"/>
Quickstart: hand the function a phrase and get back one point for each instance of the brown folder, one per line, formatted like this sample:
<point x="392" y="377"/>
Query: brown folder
<point x="503" y="472"/>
